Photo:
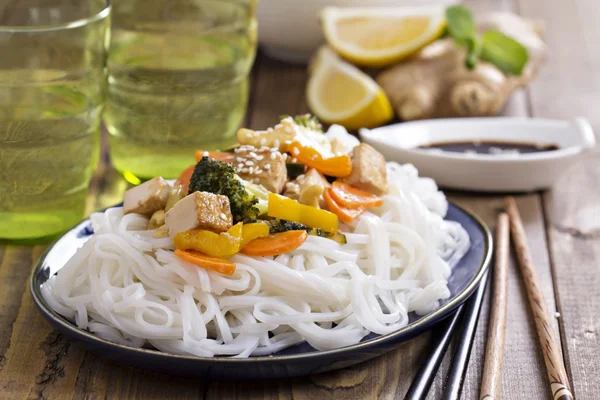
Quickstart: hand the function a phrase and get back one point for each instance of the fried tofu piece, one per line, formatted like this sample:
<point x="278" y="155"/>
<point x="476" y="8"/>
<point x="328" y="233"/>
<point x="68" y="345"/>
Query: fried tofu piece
<point x="199" y="210"/>
<point x="368" y="170"/>
<point x="264" y="166"/>
<point x="147" y="198"/>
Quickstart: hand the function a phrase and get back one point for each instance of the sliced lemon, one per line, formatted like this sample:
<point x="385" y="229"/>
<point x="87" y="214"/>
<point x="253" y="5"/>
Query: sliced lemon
<point x="376" y="37"/>
<point x="340" y="93"/>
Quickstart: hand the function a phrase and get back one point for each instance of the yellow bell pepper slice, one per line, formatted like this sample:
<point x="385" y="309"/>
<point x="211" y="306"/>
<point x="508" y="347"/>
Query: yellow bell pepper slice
<point x="222" y="245"/>
<point x="253" y="231"/>
<point x="285" y="208"/>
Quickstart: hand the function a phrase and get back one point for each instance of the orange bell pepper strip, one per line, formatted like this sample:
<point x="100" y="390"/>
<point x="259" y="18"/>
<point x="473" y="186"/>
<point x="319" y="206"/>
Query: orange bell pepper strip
<point x="184" y="178"/>
<point x="204" y="261"/>
<point x="338" y="166"/>
<point x="351" y="197"/>
<point x="343" y="213"/>
<point x="215" y="155"/>
<point x="276" y="244"/>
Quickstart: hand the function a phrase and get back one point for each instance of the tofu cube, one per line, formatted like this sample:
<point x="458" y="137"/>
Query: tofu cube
<point x="199" y="210"/>
<point x="368" y="170"/>
<point x="264" y="166"/>
<point x="147" y="198"/>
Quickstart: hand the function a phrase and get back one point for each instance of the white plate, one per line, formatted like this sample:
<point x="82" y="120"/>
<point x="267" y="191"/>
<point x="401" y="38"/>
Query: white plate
<point x="485" y="172"/>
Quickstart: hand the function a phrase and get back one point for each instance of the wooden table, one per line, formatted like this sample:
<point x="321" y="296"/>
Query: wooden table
<point x="563" y="226"/>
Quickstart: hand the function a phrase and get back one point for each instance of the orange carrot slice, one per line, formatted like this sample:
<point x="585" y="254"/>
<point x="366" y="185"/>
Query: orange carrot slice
<point x="276" y="244"/>
<point x="343" y="213"/>
<point x="204" y="261"/>
<point x="184" y="178"/>
<point x="215" y="155"/>
<point x="351" y="197"/>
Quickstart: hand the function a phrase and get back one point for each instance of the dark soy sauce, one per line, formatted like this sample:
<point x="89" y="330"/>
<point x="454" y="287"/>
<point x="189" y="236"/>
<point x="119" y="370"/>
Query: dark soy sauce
<point x="489" y="147"/>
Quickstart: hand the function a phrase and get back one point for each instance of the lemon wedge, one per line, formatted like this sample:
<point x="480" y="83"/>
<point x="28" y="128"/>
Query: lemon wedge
<point x="376" y="37"/>
<point x="340" y="93"/>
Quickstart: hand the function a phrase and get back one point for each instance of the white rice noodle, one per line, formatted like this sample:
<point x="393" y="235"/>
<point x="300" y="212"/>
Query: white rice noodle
<point x="127" y="287"/>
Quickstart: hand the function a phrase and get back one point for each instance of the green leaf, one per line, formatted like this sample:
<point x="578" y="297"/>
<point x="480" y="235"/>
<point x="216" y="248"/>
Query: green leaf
<point x="461" y="24"/>
<point x="473" y="52"/>
<point x="504" y="52"/>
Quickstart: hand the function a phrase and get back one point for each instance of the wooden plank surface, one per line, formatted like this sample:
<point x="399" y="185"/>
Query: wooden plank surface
<point x="569" y="86"/>
<point x="563" y="227"/>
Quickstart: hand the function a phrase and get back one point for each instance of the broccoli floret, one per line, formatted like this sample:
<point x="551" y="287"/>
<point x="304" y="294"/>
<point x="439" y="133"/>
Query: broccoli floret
<point x="307" y="120"/>
<point x="220" y="178"/>
<point x="281" y="225"/>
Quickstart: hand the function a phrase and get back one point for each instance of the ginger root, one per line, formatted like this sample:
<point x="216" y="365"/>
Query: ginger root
<point x="436" y="84"/>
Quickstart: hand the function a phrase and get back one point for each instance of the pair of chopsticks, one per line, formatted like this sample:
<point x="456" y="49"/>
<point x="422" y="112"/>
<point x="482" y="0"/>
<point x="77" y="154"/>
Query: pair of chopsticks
<point x="492" y="370"/>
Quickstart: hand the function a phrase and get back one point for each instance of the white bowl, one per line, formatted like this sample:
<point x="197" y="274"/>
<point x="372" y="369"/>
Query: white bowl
<point x="485" y="172"/>
<point x="289" y="30"/>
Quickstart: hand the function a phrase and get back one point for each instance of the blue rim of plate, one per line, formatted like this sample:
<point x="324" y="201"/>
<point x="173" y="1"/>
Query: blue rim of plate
<point x="409" y="331"/>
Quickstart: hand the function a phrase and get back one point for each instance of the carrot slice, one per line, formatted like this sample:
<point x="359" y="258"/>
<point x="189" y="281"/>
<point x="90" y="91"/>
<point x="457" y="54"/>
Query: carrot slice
<point x="184" y="178"/>
<point x="204" y="261"/>
<point x="343" y="213"/>
<point x="215" y="155"/>
<point x="276" y="244"/>
<point x="351" y="197"/>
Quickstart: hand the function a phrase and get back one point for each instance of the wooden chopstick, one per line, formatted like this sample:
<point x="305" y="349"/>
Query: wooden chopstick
<point x="555" y="367"/>
<point x="460" y="359"/>
<point x="494" y="350"/>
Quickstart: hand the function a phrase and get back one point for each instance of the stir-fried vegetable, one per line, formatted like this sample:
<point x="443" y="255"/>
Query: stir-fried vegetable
<point x="276" y="244"/>
<point x="281" y="225"/>
<point x="338" y="166"/>
<point x="210" y="243"/>
<point x="343" y="213"/>
<point x="260" y="193"/>
<point x="294" y="170"/>
<point x="204" y="261"/>
<point x="253" y="231"/>
<point x="184" y="178"/>
<point x="284" y="208"/>
<point x="220" y="178"/>
<point x="335" y="236"/>
<point x="177" y="193"/>
<point x="215" y="155"/>
<point x="157" y="219"/>
<point x="351" y="197"/>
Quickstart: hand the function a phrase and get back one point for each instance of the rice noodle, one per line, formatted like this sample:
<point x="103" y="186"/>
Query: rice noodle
<point x="127" y="287"/>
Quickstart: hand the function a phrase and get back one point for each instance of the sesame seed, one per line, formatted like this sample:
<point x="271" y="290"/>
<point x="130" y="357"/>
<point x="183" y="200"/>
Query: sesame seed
<point x="223" y="216"/>
<point x="267" y="166"/>
<point x="259" y="158"/>
<point x="245" y="170"/>
<point x="262" y="141"/>
<point x="270" y="130"/>
<point x="249" y="163"/>
<point x="240" y="159"/>
<point x="288" y="142"/>
<point x="251" y="170"/>
<point x="258" y="171"/>
<point x="252" y="154"/>
<point x="300" y="177"/>
<point x="273" y="156"/>
<point x="276" y="143"/>
<point x="240" y="165"/>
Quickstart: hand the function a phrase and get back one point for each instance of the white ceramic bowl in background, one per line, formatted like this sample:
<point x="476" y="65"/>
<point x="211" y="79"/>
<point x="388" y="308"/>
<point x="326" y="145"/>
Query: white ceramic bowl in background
<point x="485" y="172"/>
<point x="289" y="30"/>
